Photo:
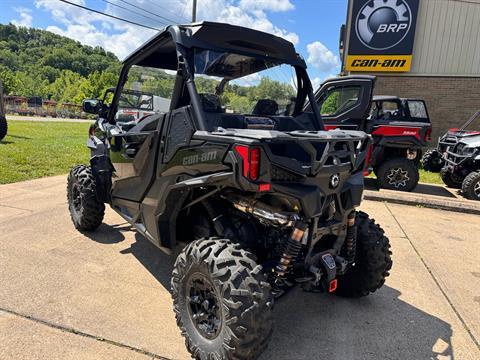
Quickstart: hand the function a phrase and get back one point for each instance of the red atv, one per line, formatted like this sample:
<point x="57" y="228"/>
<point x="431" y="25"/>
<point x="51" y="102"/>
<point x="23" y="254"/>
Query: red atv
<point x="400" y="127"/>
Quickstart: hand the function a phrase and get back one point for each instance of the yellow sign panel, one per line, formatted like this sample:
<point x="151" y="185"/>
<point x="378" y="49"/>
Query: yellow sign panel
<point x="379" y="63"/>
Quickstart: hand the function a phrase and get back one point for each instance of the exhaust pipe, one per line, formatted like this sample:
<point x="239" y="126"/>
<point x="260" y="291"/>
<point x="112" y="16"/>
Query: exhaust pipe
<point x="262" y="211"/>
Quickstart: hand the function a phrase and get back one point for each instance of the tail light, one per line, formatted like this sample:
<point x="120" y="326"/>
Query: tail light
<point x="91" y="130"/>
<point x="367" y="160"/>
<point x="427" y="134"/>
<point x="251" y="161"/>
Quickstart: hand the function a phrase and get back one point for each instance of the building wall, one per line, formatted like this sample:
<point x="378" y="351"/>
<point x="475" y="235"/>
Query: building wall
<point x="447" y="38"/>
<point x="450" y="100"/>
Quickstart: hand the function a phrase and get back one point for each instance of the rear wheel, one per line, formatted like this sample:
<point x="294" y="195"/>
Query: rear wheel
<point x="398" y="174"/>
<point x="222" y="301"/>
<point x="432" y="161"/>
<point x="372" y="260"/>
<point x="471" y="186"/>
<point x="86" y="210"/>
<point x="3" y="127"/>
<point x="450" y="179"/>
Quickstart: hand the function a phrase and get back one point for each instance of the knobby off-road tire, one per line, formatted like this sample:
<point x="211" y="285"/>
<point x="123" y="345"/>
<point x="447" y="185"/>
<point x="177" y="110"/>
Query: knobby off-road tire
<point x="372" y="260"/>
<point x="86" y="210"/>
<point x="239" y="288"/>
<point x="471" y="186"/>
<point x="450" y="180"/>
<point x="398" y="174"/>
<point x="3" y="127"/>
<point x="432" y="161"/>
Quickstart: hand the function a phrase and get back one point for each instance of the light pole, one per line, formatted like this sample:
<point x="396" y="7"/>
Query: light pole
<point x="194" y="11"/>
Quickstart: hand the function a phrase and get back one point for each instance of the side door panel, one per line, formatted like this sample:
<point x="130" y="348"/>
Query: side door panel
<point x="134" y="161"/>
<point x="345" y="102"/>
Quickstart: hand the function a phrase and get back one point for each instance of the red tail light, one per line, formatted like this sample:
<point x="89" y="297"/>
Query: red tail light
<point x="427" y="134"/>
<point x="366" y="170"/>
<point x="251" y="161"/>
<point x="254" y="163"/>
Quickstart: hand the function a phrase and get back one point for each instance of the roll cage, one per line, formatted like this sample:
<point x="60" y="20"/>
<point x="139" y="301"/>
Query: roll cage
<point x="174" y="49"/>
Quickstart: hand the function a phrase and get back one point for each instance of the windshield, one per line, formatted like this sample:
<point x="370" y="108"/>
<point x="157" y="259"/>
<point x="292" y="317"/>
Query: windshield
<point x="244" y="84"/>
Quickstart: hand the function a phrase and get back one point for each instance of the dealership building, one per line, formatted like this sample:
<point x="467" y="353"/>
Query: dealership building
<point x="428" y="49"/>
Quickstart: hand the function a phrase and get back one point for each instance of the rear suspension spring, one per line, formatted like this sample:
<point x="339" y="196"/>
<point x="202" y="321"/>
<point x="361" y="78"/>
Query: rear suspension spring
<point x="292" y="248"/>
<point x="351" y="238"/>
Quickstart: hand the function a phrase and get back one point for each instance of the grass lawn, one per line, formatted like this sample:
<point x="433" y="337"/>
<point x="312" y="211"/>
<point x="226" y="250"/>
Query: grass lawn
<point x="37" y="149"/>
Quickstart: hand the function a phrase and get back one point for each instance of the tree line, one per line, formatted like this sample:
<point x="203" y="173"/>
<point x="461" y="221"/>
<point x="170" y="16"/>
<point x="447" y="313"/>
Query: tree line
<point x="36" y="62"/>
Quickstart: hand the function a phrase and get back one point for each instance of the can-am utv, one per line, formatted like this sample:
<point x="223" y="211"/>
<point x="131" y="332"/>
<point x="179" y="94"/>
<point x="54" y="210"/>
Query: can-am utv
<point x="433" y="160"/>
<point x="258" y="200"/>
<point x="400" y="127"/>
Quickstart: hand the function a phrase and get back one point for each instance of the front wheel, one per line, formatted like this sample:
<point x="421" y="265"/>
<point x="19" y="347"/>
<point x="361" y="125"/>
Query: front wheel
<point x="450" y="179"/>
<point x="86" y="210"/>
<point x="372" y="260"/>
<point x="432" y="161"/>
<point x="471" y="186"/>
<point x="222" y="301"/>
<point x="398" y="174"/>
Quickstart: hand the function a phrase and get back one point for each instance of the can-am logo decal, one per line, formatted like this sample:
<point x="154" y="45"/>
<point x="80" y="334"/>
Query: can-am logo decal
<point x="382" y="24"/>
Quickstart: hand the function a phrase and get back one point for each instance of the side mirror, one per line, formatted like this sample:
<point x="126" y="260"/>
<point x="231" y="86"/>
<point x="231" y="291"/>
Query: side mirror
<point x="92" y="106"/>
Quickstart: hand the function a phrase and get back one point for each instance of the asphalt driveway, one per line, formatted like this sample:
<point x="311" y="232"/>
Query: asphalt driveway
<point x="105" y="295"/>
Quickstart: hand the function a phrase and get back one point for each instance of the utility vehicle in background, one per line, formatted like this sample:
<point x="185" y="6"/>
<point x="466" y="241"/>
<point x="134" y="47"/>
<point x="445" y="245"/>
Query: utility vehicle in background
<point x="400" y="127"/>
<point x="462" y="166"/>
<point x="433" y="160"/>
<point x="3" y="119"/>
<point x="254" y="203"/>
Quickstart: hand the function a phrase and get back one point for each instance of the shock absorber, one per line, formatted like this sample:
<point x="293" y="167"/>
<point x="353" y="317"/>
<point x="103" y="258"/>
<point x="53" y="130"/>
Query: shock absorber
<point x="292" y="248"/>
<point x="351" y="238"/>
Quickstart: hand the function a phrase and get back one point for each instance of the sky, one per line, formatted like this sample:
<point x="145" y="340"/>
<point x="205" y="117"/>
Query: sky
<point x="312" y="25"/>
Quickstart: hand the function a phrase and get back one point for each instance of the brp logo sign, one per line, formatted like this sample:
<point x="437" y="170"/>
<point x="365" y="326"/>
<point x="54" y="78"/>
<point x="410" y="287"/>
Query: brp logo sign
<point x="382" y="24"/>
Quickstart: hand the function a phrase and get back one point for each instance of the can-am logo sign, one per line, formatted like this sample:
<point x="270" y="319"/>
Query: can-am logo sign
<point x="381" y="35"/>
<point x="381" y="25"/>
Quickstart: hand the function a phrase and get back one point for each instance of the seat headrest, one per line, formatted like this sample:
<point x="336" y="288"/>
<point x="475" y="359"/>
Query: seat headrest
<point x="211" y="103"/>
<point x="265" y="107"/>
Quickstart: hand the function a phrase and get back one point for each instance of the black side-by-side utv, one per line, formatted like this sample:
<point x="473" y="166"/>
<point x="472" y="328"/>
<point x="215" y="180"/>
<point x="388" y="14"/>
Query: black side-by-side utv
<point x="255" y="201"/>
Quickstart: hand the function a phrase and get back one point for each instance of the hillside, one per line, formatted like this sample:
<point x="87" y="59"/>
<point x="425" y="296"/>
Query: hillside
<point x="36" y="62"/>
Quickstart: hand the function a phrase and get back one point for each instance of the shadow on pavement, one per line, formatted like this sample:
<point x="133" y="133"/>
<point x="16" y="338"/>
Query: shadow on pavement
<point x="108" y="234"/>
<point x="424" y="189"/>
<point x="321" y="326"/>
<point x="158" y="263"/>
<point x="380" y="326"/>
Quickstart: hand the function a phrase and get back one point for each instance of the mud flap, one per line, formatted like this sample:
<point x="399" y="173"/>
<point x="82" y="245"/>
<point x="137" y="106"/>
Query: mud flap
<point x="102" y="168"/>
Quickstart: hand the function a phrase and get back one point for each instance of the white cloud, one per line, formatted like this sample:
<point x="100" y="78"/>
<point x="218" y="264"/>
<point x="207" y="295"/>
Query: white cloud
<point x="269" y="5"/>
<point x="25" y="17"/>
<point x="316" y="82"/>
<point x="122" y="38"/>
<point x="322" y="58"/>
<point x="249" y="80"/>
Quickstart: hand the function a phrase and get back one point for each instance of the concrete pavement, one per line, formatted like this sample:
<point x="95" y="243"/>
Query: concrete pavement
<point x="64" y="295"/>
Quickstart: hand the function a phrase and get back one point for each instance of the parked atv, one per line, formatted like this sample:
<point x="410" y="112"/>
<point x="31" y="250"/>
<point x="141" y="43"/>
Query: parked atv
<point x="3" y="119"/>
<point x="400" y="127"/>
<point x="462" y="168"/>
<point x="258" y="201"/>
<point x="433" y="160"/>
